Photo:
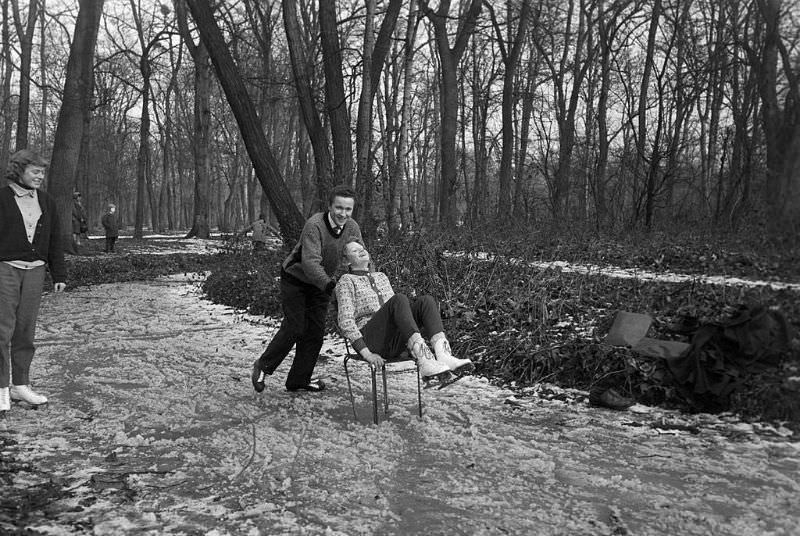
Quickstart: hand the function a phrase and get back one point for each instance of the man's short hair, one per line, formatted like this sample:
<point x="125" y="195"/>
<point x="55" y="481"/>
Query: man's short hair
<point x="21" y="160"/>
<point x="342" y="190"/>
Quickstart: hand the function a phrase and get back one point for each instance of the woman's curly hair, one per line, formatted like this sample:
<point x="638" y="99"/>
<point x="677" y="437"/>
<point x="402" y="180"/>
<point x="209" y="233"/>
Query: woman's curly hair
<point x="21" y="160"/>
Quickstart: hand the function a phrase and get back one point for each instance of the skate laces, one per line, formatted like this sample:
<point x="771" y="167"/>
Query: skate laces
<point x="446" y="348"/>
<point x="421" y="351"/>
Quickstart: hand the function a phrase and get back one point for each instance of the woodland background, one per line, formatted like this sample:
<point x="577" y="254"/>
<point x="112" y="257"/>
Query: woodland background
<point x="608" y="115"/>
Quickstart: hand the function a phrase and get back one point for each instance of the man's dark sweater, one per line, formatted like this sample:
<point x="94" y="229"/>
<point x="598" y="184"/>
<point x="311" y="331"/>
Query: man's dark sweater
<point x="14" y="245"/>
<point x="317" y="256"/>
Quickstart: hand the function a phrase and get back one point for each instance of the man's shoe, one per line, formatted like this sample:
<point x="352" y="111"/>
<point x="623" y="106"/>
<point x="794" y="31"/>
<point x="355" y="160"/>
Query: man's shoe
<point x="258" y="376"/>
<point x="611" y="399"/>
<point x="5" y="400"/>
<point x="314" y="386"/>
<point x="26" y="394"/>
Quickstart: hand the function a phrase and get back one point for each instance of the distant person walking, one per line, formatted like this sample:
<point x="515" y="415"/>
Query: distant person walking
<point x="79" y="224"/>
<point x="30" y="239"/>
<point x="110" y="222"/>
<point x="261" y="231"/>
<point x="307" y="283"/>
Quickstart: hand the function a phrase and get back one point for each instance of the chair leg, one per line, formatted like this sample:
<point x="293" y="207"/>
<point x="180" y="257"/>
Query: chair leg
<point x="350" y="389"/>
<point x="385" y="392"/>
<point x="374" y="394"/>
<point x="419" y="392"/>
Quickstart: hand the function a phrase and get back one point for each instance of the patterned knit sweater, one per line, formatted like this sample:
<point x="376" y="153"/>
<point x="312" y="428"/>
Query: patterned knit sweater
<point x="359" y="296"/>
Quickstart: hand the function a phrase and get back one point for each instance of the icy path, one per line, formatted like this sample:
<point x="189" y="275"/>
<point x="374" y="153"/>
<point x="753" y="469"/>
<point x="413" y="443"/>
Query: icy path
<point x="154" y="429"/>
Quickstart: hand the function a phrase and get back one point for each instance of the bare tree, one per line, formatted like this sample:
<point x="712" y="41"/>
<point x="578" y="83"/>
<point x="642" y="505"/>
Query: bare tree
<point x="510" y="56"/>
<point x="266" y="168"/>
<point x="375" y="51"/>
<point x="449" y="58"/>
<point x="76" y="100"/>
<point x="25" y="35"/>
<point x="641" y="113"/>
<point x="144" y="179"/>
<point x="5" y="93"/>
<point x="201" y="124"/>
<point x="567" y="74"/>
<point x="314" y="128"/>
<point x="781" y="122"/>
<point x="397" y="147"/>
<point x="335" y="100"/>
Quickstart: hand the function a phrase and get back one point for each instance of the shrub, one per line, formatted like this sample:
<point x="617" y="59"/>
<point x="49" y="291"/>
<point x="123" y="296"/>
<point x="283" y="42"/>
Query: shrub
<point x="247" y="282"/>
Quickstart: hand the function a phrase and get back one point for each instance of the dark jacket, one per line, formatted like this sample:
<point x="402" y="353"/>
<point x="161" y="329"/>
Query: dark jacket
<point x="14" y="245"/>
<point x="79" y="224"/>
<point x="110" y="224"/>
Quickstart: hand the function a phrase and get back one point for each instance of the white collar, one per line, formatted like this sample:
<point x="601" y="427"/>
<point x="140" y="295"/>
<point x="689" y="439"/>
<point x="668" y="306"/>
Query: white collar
<point x="19" y="191"/>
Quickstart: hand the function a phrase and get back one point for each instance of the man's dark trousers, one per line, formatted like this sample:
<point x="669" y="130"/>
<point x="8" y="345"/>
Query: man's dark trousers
<point x="305" y="308"/>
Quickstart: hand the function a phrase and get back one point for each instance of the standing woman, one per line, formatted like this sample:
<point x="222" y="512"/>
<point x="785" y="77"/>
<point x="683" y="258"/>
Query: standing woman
<point x="30" y="238"/>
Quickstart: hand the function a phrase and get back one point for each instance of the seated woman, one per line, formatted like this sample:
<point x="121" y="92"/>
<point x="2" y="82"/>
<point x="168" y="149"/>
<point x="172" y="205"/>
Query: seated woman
<point x="379" y="323"/>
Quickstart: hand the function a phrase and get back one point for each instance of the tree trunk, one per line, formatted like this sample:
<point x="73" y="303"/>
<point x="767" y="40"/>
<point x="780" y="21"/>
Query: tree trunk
<point x="511" y="62"/>
<point x="5" y="97"/>
<point x="201" y="120"/>
<point x="144" y="150"/>
<point x="364" y="179"/>
<point x="682" y="106"/>
<point x="717" y="89"/>
<point x="523" y="177"/>
<point x="606" y="32"/>
<point x="77" y="99"/>
<point x="43" y="78"/>
<point x="314" y="128"/>
<point x="334" y="88"/>
<point x="402" y="179"/>
<point x="25" y="36"/>
<point x="566" y="105"/>
<point x="781" y="125"/>
<point x="448" y="94"/>
<point x="641" y="139"/>
<point x="266" y="168"/>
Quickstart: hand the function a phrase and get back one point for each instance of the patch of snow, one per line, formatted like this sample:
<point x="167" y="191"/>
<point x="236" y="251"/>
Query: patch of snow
<point x="633" y="273"/>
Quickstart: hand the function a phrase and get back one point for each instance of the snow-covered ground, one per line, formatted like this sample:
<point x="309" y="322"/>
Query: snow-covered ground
<point x="157" y="244"/>
<point x="154" y="428"/>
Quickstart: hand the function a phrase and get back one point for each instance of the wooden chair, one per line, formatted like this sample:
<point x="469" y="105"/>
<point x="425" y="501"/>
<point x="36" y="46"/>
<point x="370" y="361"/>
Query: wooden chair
<point x="352" y="355"/>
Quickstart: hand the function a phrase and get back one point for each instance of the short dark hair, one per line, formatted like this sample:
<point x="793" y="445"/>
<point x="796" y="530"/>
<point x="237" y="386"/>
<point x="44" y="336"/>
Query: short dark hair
<point x="21" y="160"/>
<point x="342" y="190"/>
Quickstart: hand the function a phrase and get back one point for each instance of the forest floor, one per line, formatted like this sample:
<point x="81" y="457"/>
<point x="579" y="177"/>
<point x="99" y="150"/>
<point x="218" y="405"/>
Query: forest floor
<point x="153" y="428"/>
